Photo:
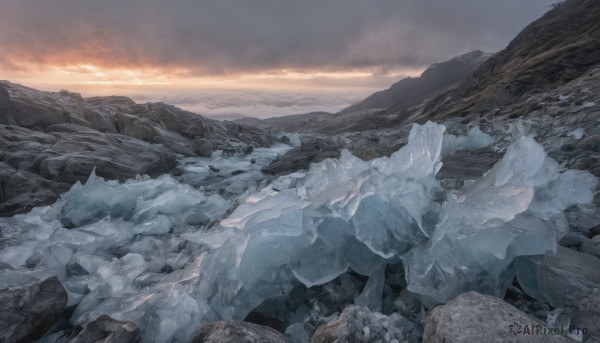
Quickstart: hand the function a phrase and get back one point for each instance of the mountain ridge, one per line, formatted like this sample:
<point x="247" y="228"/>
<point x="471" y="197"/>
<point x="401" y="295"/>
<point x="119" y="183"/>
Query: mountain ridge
<point x="377" y="110"/>
<point x="412" y="90"/>
<point x="557" y="48"/>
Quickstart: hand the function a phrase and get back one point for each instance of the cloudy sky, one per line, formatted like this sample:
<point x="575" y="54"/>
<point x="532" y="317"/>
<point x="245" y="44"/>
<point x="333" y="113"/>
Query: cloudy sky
<point x="245" y="57"/>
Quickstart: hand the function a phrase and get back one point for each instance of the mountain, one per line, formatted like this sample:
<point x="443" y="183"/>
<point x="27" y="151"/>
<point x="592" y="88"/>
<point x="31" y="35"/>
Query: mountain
<point x="388" y="107"/>
<point x="552" y="51"/>
<point x="410" y="91"/>
<point x="51" y="140"/>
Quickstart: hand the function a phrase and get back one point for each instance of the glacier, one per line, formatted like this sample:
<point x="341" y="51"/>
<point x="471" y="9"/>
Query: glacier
<point x="171" y="256"/>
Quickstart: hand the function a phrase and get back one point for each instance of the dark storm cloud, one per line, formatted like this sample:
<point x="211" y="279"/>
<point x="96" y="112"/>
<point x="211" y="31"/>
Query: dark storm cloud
<point x="227" y="36"/>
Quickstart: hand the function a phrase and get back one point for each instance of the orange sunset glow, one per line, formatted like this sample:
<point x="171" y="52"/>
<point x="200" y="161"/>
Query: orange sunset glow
<point x="90" y="76"/>
<point x="323" y="55"/>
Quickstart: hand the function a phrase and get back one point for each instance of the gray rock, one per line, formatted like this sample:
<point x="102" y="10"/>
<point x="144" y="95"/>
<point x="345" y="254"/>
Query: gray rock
<point x="524" y="303"/>
<point x="585" y="315"/>
<point x="27" y="312"/>
<point x="248" y="149"/>
<point x="585" y="159"/>
<point x="204" y="147"/>
<point x="176" y="171"/>
<point x="357" y="324"/>
<point x="473" y="317"/>
<point x="584" y="218"/>
<point x="369" y="148"/>
<point x="590" y="248"/>
<point x="466" y="165"/>
<point x="595" y="231"/>
<point x="104" y="330"/>
<point x="573" y="240"/>
<point x="559" y="278"/>
<point x="40" y="166"/>
<point x="301" y="157"/>
<point x="20" y="191"/>
<point x="237" y="332"/>
<point x="589" y="143"/>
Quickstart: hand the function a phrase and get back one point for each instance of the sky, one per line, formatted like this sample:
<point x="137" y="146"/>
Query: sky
<point x="232" y="58"/>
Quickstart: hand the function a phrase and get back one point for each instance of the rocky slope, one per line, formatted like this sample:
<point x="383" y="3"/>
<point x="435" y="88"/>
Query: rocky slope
<point x="49" y="141"/>
<point x="557" y="48"/>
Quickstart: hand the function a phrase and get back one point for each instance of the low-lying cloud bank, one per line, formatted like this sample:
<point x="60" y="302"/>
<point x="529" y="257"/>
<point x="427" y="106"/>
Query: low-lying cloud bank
<point x="234" y="104"/>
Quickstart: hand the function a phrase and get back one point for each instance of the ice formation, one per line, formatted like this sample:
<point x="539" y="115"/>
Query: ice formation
<point x="134" y="250"/>
<point x="474" y="139"/>
<point x="140" y="241"/>
<point x="515" y="209"/>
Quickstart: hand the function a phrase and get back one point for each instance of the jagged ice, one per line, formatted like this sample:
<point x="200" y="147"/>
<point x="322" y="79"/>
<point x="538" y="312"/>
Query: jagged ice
<point x="134" y="250"/>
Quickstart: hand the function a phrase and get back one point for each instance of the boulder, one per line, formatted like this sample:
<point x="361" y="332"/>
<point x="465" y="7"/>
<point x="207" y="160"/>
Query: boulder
<point x="473" y="318"/>
<point x="301" y="157"/>
<point x="585" y="316"/>
<point x="21" y="191"/>
<point x="357" y="324"/>
<point x="559" y="278"/>
<point x="104" y="330"/>
<point x="28" y="311"/>
<point x="237" y="332"/>
<point x="589" y="143"/>
<point x="573" y="240"/>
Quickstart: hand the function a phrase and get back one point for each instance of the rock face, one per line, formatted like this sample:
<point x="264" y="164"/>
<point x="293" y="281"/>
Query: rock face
<point x="104" y="330"/>
<point x="37" y="166"/>
<point x="19" y="190"/>
<point x="559" y="278"/>
<point x="357" y="324"/>
<point x="472" y="317"/>
<point x="49" y="141"/>
<point x="237" y="332"/>
<point x="27" y="312"/>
